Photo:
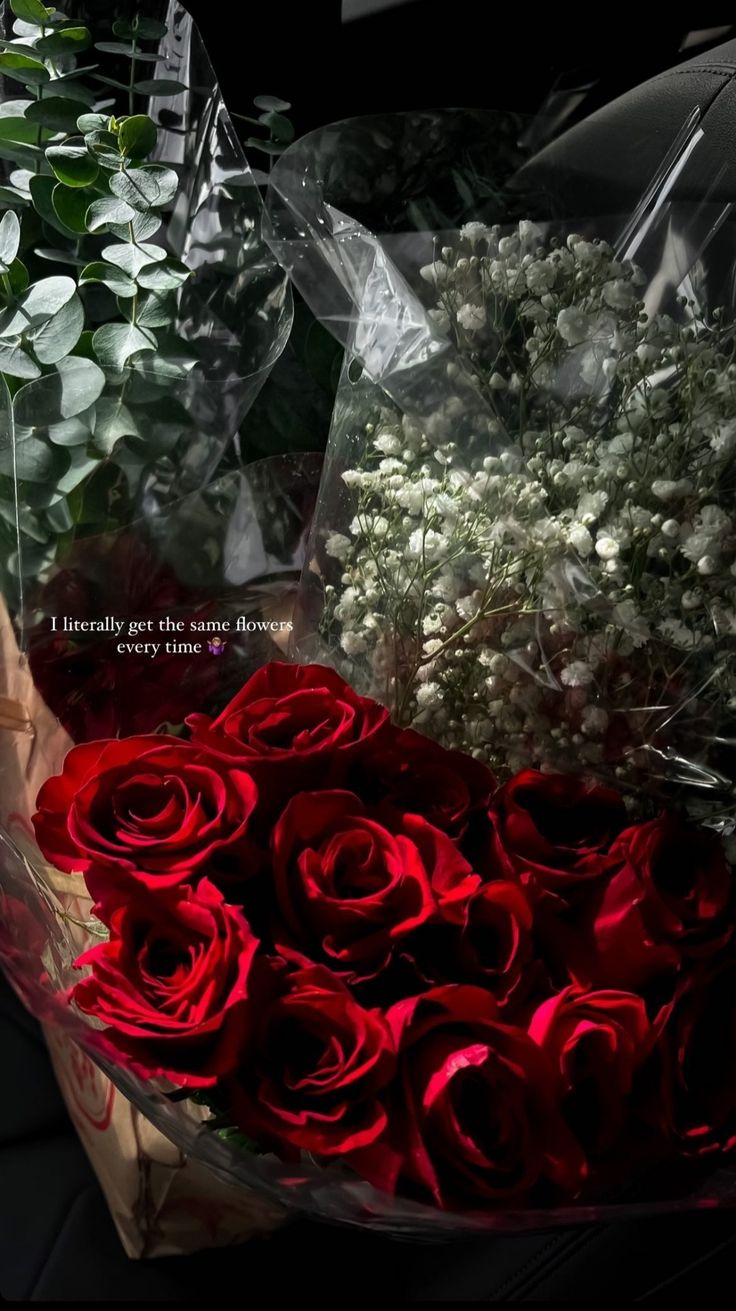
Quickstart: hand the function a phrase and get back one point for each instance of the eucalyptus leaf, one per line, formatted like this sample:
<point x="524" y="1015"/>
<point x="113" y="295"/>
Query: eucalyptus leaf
<point x="102" y="213"/>
<point x="71" y="205"/>
<point x="92" y="123"/>
<point x="60" y="334"/>
<point x="15" y="362"/>
<point x="82" y="465"/>
<point x="76" y="384"/>
<point x="18" y="275"/>
<point x="73" y="165"/>
<point x="11" y="196"/>
<point x="137" y="137"/>
<point x="160" y="86"/>
<point x="59" y="517"/>
<point x="9" y="240"/>
<point x="42" y="190"/>
<point x="69" y="88"/>
<point x="57" y="113"/>
<point x="115" y="279"/>
<point x="114" y="343"/>
<point x="59" y="256"/>
<point x="131" y="259"/>
<point x="271" y="103"/>
<point x="21" y="130"/>
<point x="38" y="303"/>
<point x="113" y="420"/>
<point x="270" y="147"/>
<point x="148" y="29"/>
<point x="120" y="48"/>
<point x="145" y="188"/>
<point x="66" y="41"/>
<point x="23" y="68"/>
<point x="21" y="153"/>
<point x="33" y="460"/>
<point x="31" y="11"/>
<point x="165" y="276"/>
<point x="141" y="228"/>
<point x="70" y="432"/>
<point x="281" y="128"/>
<point x="151" y="310"/>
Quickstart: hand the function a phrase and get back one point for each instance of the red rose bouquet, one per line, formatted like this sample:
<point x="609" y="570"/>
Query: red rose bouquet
<point x="372" y="963"/>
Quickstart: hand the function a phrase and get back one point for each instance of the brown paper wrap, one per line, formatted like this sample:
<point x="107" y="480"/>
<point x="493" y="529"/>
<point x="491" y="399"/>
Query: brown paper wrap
<point x="163" y="1202"/>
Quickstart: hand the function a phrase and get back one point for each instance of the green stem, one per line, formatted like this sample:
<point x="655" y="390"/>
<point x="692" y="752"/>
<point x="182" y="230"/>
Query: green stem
<point x="131" y="84"/>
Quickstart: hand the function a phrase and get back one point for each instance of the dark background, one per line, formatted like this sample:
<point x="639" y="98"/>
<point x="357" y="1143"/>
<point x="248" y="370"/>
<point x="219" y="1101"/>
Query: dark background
<point x="436" y="53"/>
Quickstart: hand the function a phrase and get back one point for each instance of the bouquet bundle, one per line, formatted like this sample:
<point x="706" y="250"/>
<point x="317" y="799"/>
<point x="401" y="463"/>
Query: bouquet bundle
<point x="434" y="931"/>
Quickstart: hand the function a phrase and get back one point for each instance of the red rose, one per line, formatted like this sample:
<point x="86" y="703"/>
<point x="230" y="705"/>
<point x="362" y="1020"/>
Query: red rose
<point x="698" y="1050"/>
<point x="415" y="774"/>
<point x="486" y="939"/>
<point x="317" y="1064"/>
<point x="555" y="829"/>
<point x="295" y="726"/>
<point x="597" y="1041"/>
<point x="666" y="900"/>
<point x="352" y="882"/>
<point x="172" y="982"/>
<point x="154" y="806"/>
<point x="474" y="1116"/>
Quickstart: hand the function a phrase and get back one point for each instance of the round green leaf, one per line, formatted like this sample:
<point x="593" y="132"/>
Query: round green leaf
<point x="145" y="188"/>
<point x="106" y="211"/>
<point x="71" y="205"/>
<point x="9" y="239"/>
<point x="114" y="278"/>
<point x="148" y="29"/>
<point x="113" y="420"/>
<point x="73" y="165"/>
<point x="57" y="113"/>
<point x="137" y="136"/>
<point x="152" y="310"/>
<point x="70" y="432"/>
<point x="141" y="228"/>
<point x="92" y="123"/>
<point x="160" y="86"/>
<point x="31" y="11"/>
<point x="166" y="276"/>
<point x="68" y="41"/>
<point x="268" y="147"/>
<point x="42" y="190"/>
<point x="15" y="362"/>
<point x="60" y="334"/>
<point x="114" y="343"/>
<point x="35" y="460"/>
<point x="131" y="259"/>
<point x="23" y="68"/>
<point x="18" y="274"/>
<point x="271" y="103"/>
<point x="10" y="196"/>
<point x="76" y="384"/>
<point x="19" y="129"/>
<point x="120" y="48"/>
<point x="281" y="128"/>
<point x="35" y="306"/>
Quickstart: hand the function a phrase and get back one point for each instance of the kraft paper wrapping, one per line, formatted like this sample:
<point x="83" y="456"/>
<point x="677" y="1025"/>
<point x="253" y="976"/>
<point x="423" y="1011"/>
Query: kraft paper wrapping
<point x="162" y="1202"/>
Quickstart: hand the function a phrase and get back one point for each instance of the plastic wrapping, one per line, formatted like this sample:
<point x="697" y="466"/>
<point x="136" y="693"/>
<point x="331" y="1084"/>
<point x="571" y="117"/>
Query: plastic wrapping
<point x="409" y="379"/>
<point x="524" y="540"/>
<point x="159" y="430"/>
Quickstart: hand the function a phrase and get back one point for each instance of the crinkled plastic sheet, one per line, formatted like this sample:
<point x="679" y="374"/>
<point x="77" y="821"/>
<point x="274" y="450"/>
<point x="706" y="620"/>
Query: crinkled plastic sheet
<point x="359" y="250"/>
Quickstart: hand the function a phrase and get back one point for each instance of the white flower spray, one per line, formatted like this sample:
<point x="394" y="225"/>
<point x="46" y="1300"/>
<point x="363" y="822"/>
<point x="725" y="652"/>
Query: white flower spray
<point x="565" y="596"/>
